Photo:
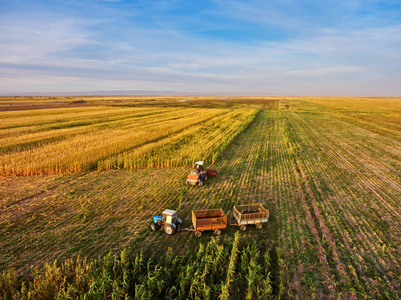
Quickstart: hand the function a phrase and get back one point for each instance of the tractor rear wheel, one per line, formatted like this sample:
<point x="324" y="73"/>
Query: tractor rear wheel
<point x="242" y="227"/>
<point x="217" y="231"/>
<point x="198" y="234"/>
<point x="259" y="226"/>
<point x="153" y="226"/>
<point x="168" y="229"/>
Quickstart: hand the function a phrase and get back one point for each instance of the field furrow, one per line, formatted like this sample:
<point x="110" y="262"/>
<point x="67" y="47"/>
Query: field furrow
<point x="365" y="216"/>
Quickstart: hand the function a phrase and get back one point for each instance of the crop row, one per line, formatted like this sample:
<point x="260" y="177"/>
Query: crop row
<point x="79" y="143"/>
<point x="204" y="141"/>
<point x="351" y="197"/>
<point x="215" y="270"/>
<point x="380" y="116"/>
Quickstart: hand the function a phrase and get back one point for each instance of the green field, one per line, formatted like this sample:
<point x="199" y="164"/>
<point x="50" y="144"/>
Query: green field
<point x="328" y="169"/>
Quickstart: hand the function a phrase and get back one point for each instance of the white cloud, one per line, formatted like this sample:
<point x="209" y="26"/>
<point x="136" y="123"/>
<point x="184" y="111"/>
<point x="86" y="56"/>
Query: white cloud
<point x="117" y="51"/>
<point x="37" y="40"/>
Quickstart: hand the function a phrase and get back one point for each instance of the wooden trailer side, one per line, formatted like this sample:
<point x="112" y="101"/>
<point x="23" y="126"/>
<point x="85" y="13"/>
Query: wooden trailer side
<point x="209" y="219"/>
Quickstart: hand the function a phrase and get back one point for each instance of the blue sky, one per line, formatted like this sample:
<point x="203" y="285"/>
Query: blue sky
<point x="256" y="47"/>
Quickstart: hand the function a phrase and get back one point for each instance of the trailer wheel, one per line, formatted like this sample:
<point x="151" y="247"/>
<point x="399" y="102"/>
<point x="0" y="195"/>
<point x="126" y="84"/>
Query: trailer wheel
<point x="242" y="227"/>
<point x="153" y="226"/>
<point x="198" y="234"/>
<point x="259" y="226"/>
<point x="217" y="231"/>
<point x="168" y="229"/>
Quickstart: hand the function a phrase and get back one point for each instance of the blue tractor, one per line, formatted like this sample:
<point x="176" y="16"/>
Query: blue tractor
<point x="168" y="221"/>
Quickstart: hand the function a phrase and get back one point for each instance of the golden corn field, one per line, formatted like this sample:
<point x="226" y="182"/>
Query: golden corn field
<point x="78" y="227"/>
<point x="73" y="140"/>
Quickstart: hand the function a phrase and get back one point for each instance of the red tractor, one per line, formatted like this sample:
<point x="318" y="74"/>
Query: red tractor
<point x="199" y="174"/>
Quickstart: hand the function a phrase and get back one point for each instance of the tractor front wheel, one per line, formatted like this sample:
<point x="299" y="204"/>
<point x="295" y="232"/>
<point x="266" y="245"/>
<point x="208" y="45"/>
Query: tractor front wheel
<point x="198" y="234"/>
<point x="168" y="229"/>
<point x="153" y="226"/>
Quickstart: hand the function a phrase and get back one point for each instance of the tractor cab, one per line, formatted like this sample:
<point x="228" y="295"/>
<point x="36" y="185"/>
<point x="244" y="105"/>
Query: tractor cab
<point x="168" y="221"/>
<point x="198" y="166"/>
<point x="169" y="216"/>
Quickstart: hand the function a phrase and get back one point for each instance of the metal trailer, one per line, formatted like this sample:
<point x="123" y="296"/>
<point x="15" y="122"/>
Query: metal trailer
<point x="250" y="214"/>
<point x="208" y="219"/>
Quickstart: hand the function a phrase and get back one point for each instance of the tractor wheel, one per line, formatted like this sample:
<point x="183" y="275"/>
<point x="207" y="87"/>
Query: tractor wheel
<point x="187" y="182"/>
<point x="198" y="234"/>
<point x="217" y="231"/>
<point x="168" y="229"/>
<point x="259" y="226"/>
<point x="242" y="227"/>
<point x="200" y="182"/>
<point x="205" y="177"/>
<point x="153" y="226"/>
